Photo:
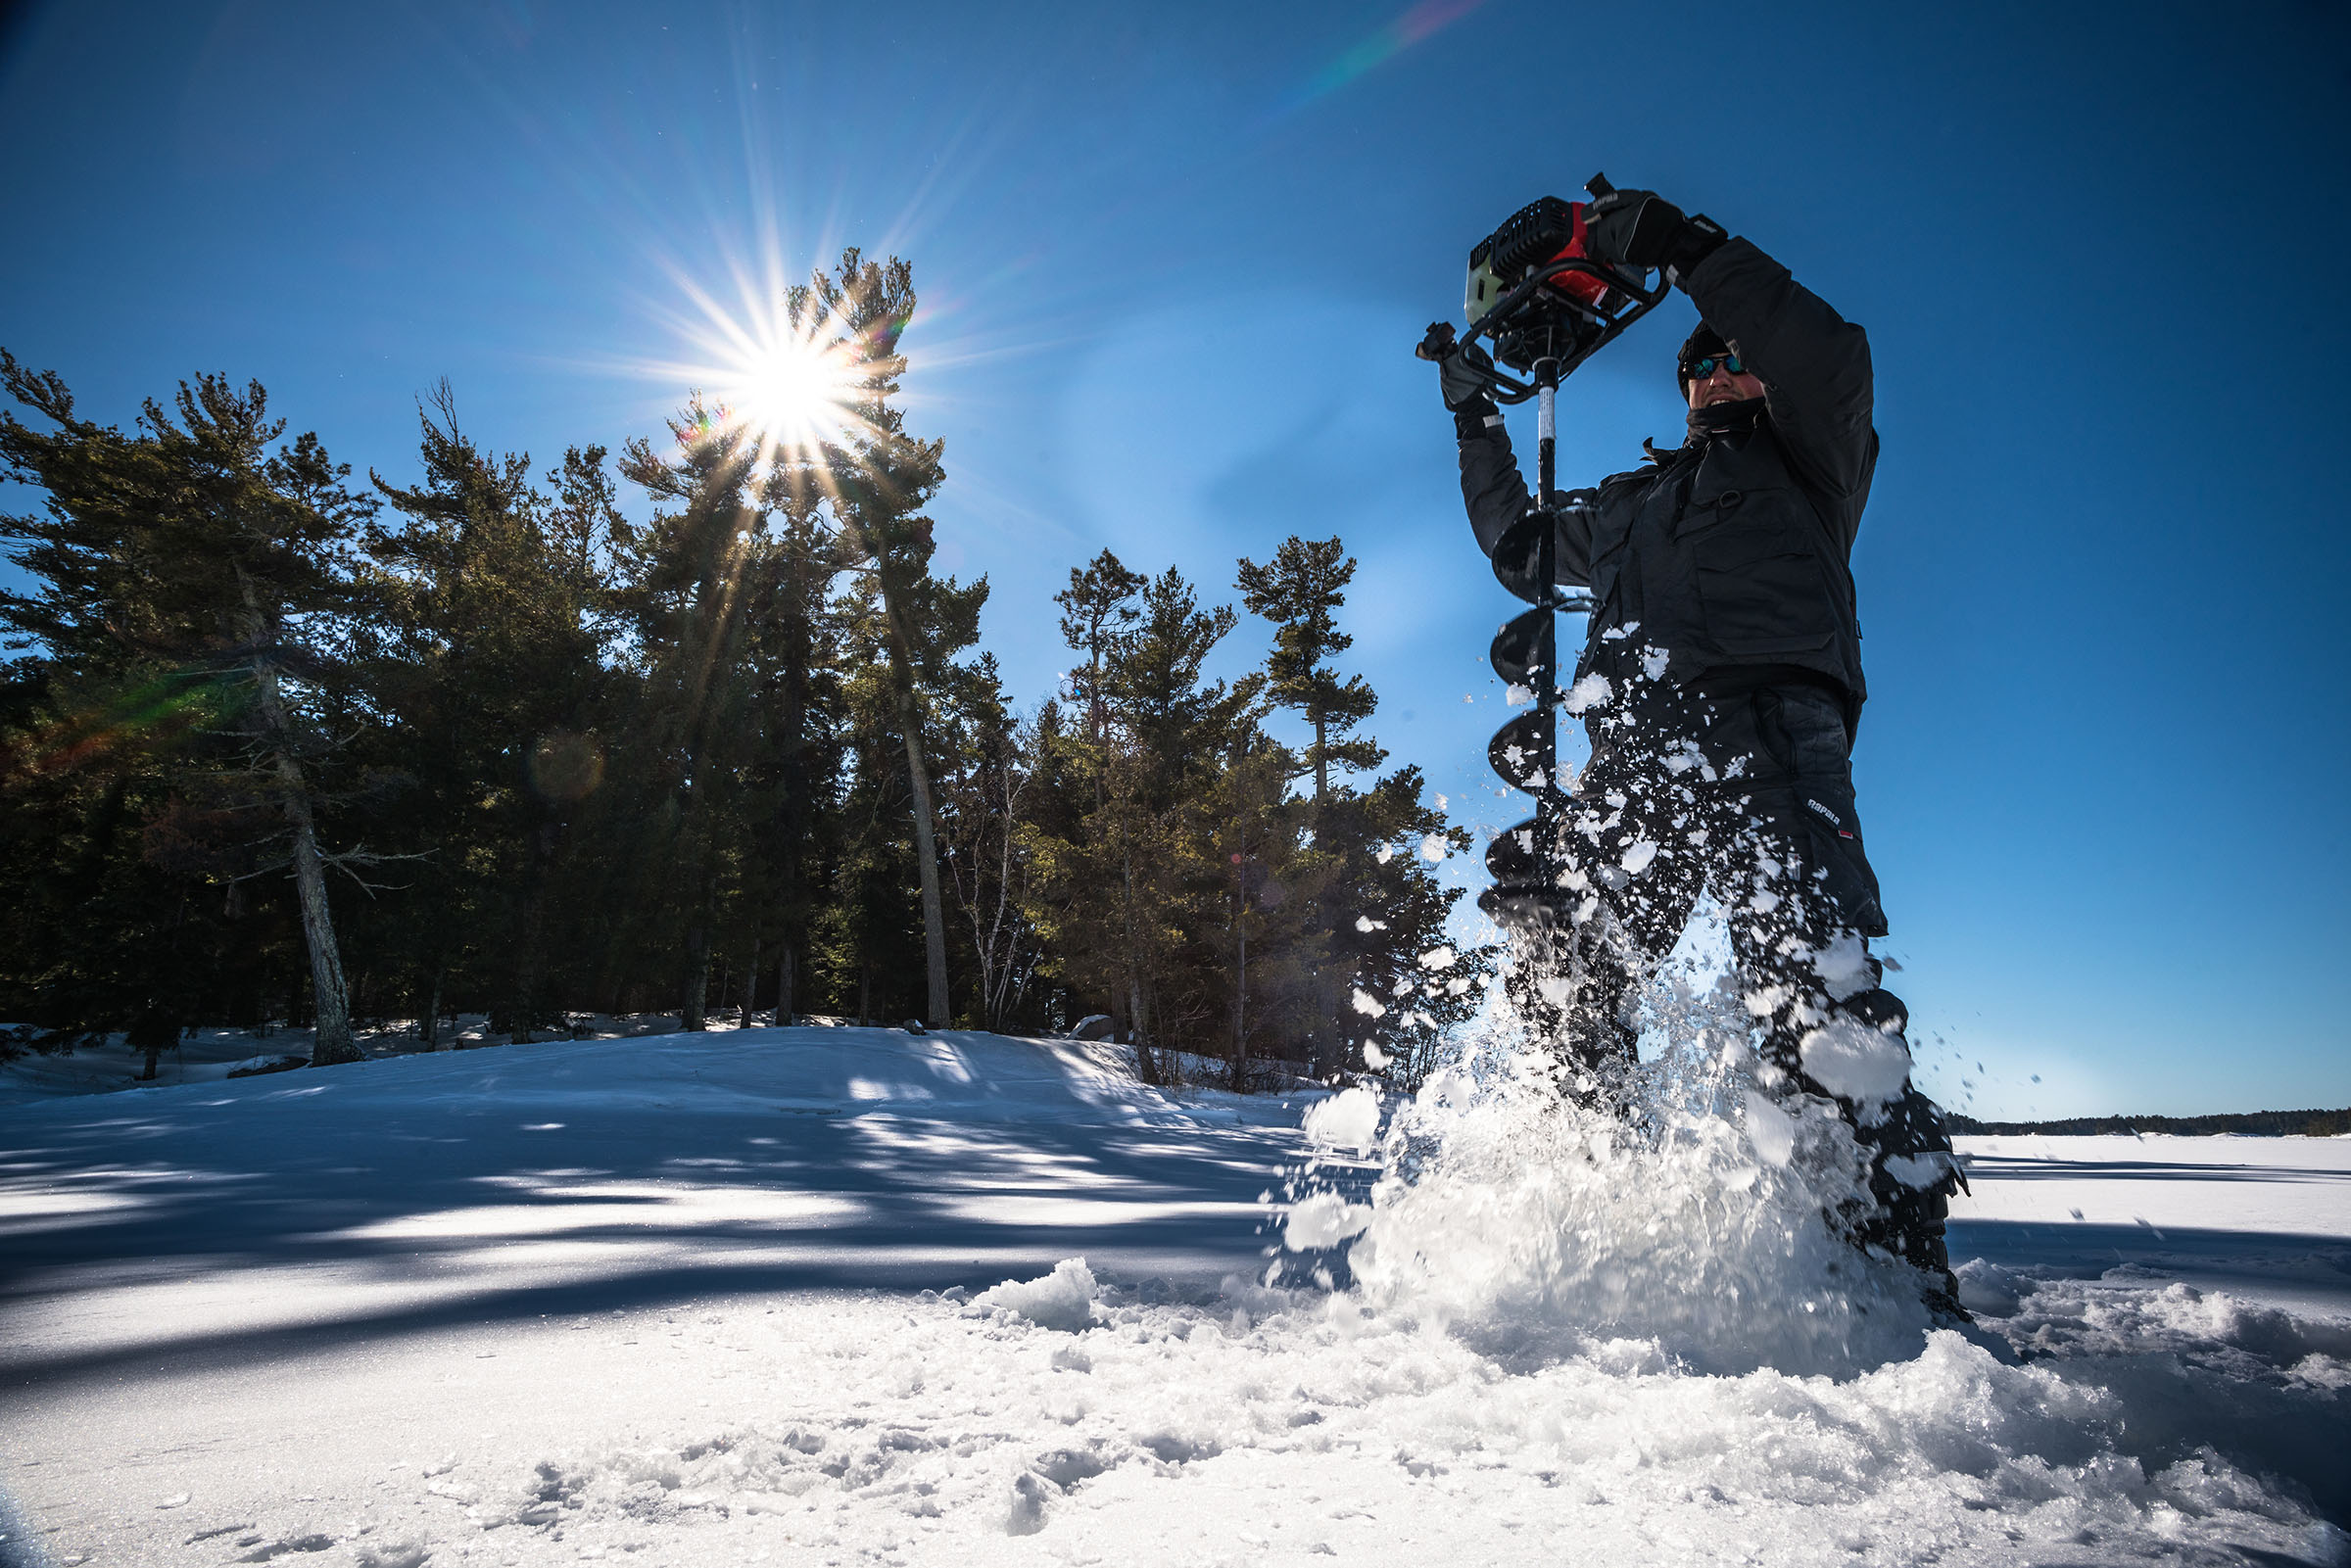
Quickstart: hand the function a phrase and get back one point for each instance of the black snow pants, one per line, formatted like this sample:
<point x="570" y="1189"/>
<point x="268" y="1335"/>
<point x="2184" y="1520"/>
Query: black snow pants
<point x="1748" y="793"/>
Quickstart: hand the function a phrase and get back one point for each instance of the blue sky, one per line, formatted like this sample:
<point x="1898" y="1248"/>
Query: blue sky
<point x="1173" y="261"/>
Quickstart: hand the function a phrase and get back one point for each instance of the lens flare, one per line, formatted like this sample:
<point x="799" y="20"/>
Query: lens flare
<point x="149" y="715"/>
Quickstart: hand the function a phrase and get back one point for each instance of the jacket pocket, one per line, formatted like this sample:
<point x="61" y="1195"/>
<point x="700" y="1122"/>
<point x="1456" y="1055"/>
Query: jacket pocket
<point x="1760" y="575"/>
<point x="1831" y="832"/>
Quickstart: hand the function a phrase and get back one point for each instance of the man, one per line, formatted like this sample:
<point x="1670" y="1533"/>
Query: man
<point x="1720" y="685"/>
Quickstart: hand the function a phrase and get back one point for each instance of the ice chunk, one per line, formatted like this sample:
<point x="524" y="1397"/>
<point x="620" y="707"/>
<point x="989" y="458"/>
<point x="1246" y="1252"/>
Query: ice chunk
<point x="1855" y="1061"/>
<point x="393" y="1554"/>
<point x="1061" y="1299"/>
<point x="1637" y="856"/>
<point x="1349" y="1120"/>
<point x="1770" y="1130"/>
<point x="1592" y="692"/>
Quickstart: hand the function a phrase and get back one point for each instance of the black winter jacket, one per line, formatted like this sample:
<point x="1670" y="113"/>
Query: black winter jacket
<point x="1733" y="553"/>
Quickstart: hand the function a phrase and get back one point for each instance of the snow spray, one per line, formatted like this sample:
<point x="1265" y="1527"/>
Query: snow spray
<point x="1692" y="1213"/>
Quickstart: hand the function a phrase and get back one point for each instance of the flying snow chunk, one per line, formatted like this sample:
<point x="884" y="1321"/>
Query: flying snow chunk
<point x="1432" y="848"/>
<point x="1854" y="1062"/>
<point x="1366" y="1004"/>
<point x="1592" y="692"/>
<point x="1844" y="966"/>
<point x="1638" y="854"/>
<point x="1437" y="958"/>
<point x="1061" y="1299"/>
<point x="1770" y="1130"/>
<point x="1324" y="1220"/>
<point x="1925" y="1171"/>
<point x="1349" y="1120"/>
<point x="1373" y="1057"/>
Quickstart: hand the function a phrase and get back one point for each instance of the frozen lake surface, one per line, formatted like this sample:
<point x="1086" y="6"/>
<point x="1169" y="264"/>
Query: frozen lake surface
<point x="724" y="1299"/>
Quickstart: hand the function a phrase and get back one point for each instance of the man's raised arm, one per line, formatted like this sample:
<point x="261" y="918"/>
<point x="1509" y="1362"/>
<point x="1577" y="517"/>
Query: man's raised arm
<point x="1491" y="488"/>
<point x="1814" y="363"/>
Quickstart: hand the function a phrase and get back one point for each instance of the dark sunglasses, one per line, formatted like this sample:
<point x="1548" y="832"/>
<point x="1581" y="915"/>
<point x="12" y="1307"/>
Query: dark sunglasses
<point x="1700" y="369"/>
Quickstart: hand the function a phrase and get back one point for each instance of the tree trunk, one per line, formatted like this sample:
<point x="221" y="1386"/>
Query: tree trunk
<point x="1321" y="764"/>
<point x="530" y="961"/>
<point x="1240" y="974"/>
<point x="697" y="974"/>
<point x="331" y="1042"/>
<point x="865" y="991"/>
<point x="926" y="833"/>
<point x="428" y="1028"/>
<point x="926" y="854"/>
<point x="1137" y="1014"/>
<point x="750" y="985"/>
<point x="784" y="979"/>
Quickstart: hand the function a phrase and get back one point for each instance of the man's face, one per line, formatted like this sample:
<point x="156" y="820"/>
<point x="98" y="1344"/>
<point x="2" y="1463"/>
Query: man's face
<point x="1720" y="383"/>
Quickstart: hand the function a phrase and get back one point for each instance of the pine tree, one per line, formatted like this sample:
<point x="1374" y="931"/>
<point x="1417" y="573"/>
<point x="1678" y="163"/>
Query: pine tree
<point x="875" y="480"/>
<point x="211" y="554"/>
<point x="1096" y="610"/>
<point x="984" y="799"/>
<point x="491" y="603"/>
<point x="687" y="590"/>
<point x="1300" y="590"/>
<point x="798" y="657"/>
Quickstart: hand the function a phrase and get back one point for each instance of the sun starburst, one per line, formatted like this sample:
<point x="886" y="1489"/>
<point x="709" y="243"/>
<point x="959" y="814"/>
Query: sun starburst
<point x="791" y="392"/>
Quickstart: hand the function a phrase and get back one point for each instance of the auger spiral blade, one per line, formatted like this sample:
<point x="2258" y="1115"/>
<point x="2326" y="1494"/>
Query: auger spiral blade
<point x="1526" y="650"/>
<point x="1525" y="751"/>
<point x="1518" y="557"/>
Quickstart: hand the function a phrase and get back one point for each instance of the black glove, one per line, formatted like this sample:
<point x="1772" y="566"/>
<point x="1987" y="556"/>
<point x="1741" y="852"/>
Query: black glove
<point x="1463" y="378"/>
<point x="1460" y="381"/>
<point x="1642" y="229"/>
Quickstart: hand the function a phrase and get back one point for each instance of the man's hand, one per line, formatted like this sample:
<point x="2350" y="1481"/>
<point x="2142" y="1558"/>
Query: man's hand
<point x="1464" y="371"/>
<point x="1643" y="229"/>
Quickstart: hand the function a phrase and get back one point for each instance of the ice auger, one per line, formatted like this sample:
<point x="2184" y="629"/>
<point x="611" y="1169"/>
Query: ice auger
<point x="1546" y="306"/>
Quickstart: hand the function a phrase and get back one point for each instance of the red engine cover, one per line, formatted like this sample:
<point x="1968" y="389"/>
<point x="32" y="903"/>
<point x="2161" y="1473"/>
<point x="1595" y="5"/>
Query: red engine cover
<point x="1576" y="285"/>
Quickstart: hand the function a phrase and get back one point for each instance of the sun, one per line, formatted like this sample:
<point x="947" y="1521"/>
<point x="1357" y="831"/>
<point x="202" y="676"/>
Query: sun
<point x="792" y="392"/>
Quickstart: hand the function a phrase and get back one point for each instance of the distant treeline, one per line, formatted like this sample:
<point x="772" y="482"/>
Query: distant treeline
<point x="282" y="748"/>
<point x="2258" y="1123"/>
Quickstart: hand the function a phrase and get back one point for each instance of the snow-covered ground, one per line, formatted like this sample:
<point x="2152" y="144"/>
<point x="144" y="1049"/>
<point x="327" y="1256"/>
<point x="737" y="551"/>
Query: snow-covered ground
<point x="725" y="1299"/>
